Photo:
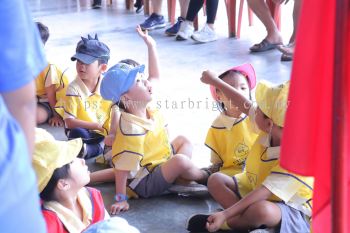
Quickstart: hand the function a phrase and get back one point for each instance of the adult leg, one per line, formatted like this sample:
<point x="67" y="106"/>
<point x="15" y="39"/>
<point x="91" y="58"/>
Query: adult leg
<point x="212" y="7"/>
<point x="207" y="33"/>
<point x="221" y="187"/>
<point x="193" y="9"/>
<point x="262" y="11"/>
<point x="288" y="50"/>
<point x="157" y="6"/>
<point x="183" y="7"/>
<point x="296" y="14"/>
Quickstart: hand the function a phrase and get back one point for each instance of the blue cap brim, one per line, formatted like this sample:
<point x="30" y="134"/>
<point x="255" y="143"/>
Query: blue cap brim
<point x="84" y="58"/>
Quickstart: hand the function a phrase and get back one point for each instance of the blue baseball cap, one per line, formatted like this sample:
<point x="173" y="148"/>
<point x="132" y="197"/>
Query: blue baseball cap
<point x="118" y="80"/>
<point x="90" y="49"/>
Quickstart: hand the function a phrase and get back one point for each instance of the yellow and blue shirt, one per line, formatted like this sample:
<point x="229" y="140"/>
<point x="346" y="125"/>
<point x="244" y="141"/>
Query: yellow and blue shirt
<point x="230" y="140"/>
<point x="52" y="75"/>
<point x="81" y="104"/>
<point x="140" y="145"/>
<point x="263" y="168"/>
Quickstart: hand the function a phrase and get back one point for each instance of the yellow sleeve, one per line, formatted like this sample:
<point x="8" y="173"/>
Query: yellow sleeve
<point x="71" y="103"/>
<point x="283" y="184"/>
<point x="126" y="161"/>
<point x="52" y="77"/>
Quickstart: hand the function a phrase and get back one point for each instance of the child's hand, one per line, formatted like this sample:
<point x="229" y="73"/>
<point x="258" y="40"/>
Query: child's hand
<point x="208" y="77"/>
<point x="215" y="221"/>
<point x="144" y="35"/>
<point x="56" y="121"/>
<point x="109" y="139"/>
<point x="99" y="127"/>
<point x="118" y="207"/>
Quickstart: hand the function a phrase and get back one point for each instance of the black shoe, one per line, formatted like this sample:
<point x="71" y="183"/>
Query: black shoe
<point x="197" y="223"/>
<point x="139" y="6"/>
<point x="96" y="4"/>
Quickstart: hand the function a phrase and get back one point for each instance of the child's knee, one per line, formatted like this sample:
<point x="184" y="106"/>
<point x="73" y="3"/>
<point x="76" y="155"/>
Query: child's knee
<point x="41" y="115"/>
<point x="180" y="141"/>
<point x="181" y="162"/>
<point x="216" y="181"/>
<point x="264" y="211"/>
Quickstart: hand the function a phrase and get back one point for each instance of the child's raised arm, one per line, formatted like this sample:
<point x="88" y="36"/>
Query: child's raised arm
<point x="153" y="62"/>
<point x="237" y="98"/>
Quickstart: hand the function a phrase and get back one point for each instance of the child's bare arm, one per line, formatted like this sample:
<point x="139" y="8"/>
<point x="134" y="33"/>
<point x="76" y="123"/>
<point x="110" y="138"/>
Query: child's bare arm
<point x="115" y="117"/>
<point x="216" y="220"/>
<point x="51" y="96"/>
<point x="237" y="98"/>
<point x="120" y="188"/>
<point x="75" y="123"/>
<point x="153" y="61"/>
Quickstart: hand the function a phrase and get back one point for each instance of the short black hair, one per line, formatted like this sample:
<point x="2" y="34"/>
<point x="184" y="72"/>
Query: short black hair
<point x="44" y="32"/>
<point x="130" y="62"/>
<point x="60" y="173"/>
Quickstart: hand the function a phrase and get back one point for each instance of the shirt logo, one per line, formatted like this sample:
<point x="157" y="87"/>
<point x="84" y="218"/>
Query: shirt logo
<point x="240" y="154"/>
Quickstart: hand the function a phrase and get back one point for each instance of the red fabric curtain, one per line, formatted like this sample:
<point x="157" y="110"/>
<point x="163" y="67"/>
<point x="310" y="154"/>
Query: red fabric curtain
<point x="307" y="136"/>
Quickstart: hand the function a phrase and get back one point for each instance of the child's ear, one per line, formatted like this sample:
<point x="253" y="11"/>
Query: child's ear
<point x="62" y="184"/>
<point x="103" y="67"/>
<point x="124" y="98"/>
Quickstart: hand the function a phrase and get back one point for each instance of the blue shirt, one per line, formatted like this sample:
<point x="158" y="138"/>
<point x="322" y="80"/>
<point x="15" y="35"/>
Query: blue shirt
<point x="21" y="60"/>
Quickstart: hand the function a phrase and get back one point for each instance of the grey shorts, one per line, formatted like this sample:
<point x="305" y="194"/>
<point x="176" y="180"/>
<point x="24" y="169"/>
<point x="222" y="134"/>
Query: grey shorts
<point x="293" y="221"/>
<point x="46" y="106"/>
<point x="153" y="184"/>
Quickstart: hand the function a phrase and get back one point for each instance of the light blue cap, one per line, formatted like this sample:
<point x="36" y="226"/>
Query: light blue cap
<point x="112" y="225"/>
<point x="118" y="80"/>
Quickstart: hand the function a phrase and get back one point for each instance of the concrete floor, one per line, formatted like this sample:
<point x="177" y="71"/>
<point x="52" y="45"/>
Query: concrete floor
<point x="186" y="102"/>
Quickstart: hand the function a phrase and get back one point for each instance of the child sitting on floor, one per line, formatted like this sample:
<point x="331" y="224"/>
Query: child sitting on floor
<point x="51" y="85"/>
<point x="264" y="195"/>
<point x="67" y="205"/>
<point x="230" y="136"/>
<point x="86" y="113"/>
<point x="144" y="160"/>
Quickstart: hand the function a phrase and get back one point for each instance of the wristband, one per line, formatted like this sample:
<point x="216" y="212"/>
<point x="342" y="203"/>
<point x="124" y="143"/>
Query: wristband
<point x="119" y="197"/>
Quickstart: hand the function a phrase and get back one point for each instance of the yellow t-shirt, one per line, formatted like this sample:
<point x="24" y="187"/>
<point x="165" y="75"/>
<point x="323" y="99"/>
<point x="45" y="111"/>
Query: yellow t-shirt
<point x="262" y="168"/>
<point x="140" y="145"/>
<point x="230" y="140"/>
<point x="81" y="104"/>
<point x="52" y="75"/>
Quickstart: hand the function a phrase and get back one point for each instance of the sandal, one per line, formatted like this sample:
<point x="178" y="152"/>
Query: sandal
<point x="287" y="57"/>
<point x="264" y="45"/>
